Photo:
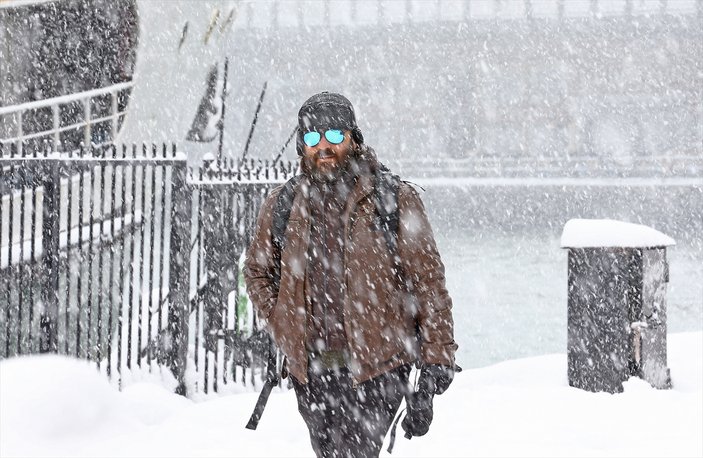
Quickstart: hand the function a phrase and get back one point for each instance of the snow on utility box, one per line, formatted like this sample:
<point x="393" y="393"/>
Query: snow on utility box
<point x="616" y="304"/>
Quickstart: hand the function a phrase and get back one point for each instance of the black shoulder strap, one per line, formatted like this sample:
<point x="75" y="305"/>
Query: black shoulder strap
<point x="386" y="201"/>
<point x="281" y="212"/>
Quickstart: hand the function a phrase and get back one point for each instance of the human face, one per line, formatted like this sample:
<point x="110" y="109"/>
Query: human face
<point x="326" y="160"/>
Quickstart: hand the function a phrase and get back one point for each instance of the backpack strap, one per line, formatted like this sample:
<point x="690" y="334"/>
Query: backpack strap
<point x="281" y="214"/>
<point x="386" y="190"/>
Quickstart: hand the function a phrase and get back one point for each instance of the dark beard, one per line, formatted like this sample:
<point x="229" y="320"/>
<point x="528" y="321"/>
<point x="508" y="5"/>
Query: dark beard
<point x="343" y="170"/>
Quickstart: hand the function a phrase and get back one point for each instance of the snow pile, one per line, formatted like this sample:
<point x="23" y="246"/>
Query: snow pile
<point x="583" y="233"/>
<point x="56" y="406"/>
<point x="55" y="399"/>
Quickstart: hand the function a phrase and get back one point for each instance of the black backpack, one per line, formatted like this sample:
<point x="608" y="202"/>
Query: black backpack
<point x="385" y="195"/>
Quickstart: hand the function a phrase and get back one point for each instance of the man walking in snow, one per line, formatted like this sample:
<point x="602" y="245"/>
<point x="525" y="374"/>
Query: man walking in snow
<point x="344" y="271"/>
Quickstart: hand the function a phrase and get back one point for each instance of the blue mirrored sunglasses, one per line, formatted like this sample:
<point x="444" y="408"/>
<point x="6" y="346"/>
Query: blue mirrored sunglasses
<point x="334" y="136"/>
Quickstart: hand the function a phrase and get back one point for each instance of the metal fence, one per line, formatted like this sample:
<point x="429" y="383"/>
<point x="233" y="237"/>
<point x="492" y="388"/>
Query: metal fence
<point x="129" y="258"/>
<point x="226" y="342"/>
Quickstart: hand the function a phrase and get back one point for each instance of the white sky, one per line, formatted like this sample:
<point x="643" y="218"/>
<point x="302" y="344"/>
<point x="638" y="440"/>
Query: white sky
<point x="56" y="406"/>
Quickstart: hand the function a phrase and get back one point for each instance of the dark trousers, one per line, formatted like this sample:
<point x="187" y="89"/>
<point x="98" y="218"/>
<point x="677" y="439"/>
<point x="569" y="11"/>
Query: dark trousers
<point x="348" y="422"/>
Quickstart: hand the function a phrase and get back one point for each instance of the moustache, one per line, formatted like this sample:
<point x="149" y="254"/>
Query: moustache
<point x="324" y="154"/>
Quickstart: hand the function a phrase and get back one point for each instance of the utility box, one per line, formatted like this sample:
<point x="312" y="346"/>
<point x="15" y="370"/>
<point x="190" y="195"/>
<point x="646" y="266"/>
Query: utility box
<point x="617" y="282"/>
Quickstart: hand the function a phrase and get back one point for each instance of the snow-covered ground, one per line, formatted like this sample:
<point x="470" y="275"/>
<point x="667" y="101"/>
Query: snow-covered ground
<point x="56" y="406"/>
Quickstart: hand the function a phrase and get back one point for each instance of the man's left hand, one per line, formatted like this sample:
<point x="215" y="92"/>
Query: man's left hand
<point x="438" y="377"/>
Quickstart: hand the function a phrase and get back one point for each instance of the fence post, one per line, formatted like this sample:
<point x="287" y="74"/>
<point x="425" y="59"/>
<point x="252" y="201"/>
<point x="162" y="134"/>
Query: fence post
<point x="215" y="244"/>
<point x="48" y="320"/>
<point x="179" y="273"/>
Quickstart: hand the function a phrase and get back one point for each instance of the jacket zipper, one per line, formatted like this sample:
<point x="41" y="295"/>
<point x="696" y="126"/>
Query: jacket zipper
<point x="346" y="295"/>
<point x="324" y="278"/>
<point x="347" y="239"/>
<point x="352" y="222"/>
<point x="305" y="326"/>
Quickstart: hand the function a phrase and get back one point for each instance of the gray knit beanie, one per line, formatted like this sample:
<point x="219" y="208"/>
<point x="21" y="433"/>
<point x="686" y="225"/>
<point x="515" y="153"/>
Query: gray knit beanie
<point x="327" y="110"/>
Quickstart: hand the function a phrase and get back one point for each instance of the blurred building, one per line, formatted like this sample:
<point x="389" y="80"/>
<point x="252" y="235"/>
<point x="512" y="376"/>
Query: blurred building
<point x="547" y="87"/>
<point x="53" y="50"/>
<point x="469" y="88"/>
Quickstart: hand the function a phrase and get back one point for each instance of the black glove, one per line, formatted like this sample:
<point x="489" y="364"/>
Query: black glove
<point x="419" y="411"/>
<point x="438" y="377"/>
<point x="434" y="379"/>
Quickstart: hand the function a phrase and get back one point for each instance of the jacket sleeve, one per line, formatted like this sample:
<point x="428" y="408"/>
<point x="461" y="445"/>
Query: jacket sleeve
<point x="260" y="265"/>
<point x="423" y="268"/>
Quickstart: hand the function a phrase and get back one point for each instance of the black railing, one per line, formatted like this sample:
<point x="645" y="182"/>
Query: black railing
<point x="130" y="258"/>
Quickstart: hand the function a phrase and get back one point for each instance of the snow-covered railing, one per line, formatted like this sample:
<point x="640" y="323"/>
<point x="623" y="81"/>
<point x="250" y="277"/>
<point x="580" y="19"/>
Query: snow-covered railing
<point x="49" y="130"/>
<point x="473" y="165"/>
<point x="281" y="14"/>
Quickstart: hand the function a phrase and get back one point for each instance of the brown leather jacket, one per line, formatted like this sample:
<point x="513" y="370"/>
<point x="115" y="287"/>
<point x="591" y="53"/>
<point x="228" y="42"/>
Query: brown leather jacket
<point x="379" y="316"/>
